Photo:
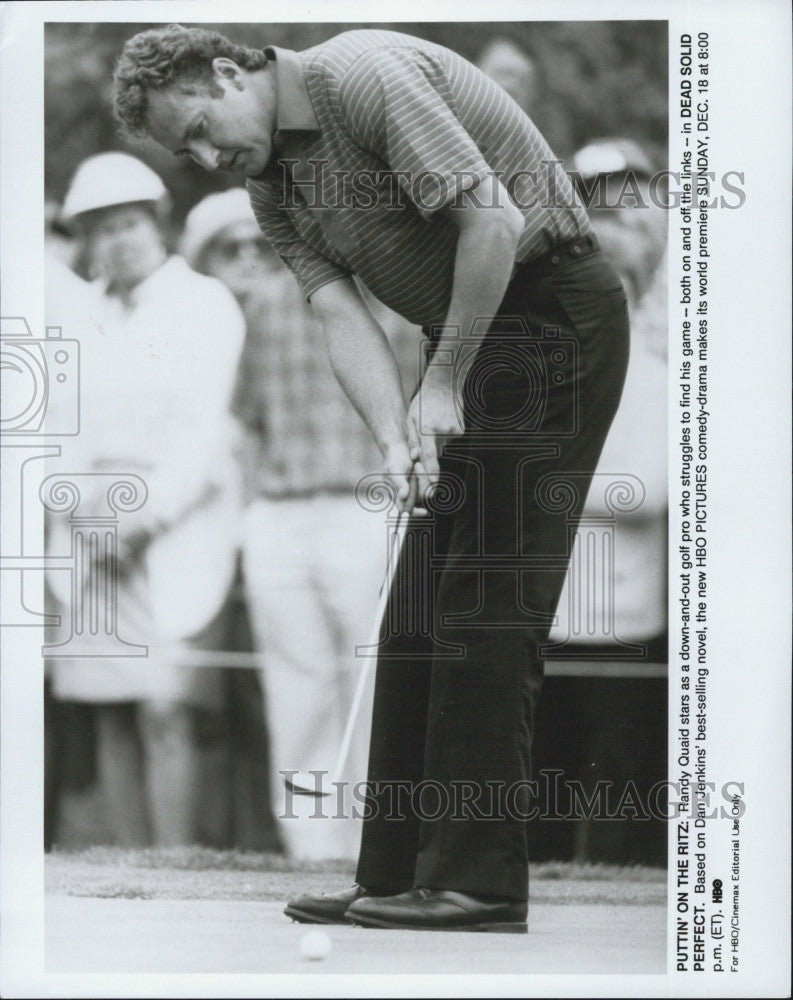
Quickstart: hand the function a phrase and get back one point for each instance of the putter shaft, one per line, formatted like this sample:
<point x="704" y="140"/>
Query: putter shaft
<point x="395" y="548"/>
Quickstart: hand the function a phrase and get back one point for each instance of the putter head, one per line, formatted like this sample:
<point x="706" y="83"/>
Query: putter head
<point x="300" y="783"/>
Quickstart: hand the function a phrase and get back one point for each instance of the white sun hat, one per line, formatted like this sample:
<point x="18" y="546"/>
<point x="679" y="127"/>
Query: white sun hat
<point x="111" y="179"/>
<point x="210" y="216"/>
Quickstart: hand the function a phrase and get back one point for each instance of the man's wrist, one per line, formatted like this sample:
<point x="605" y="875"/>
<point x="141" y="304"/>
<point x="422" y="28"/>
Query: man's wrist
<point x="394" y="446"/>
<point x="391" y="446"/>
<point x="440" y="375"/>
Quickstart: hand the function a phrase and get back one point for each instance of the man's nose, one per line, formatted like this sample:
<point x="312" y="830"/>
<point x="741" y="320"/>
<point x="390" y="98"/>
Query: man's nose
<point x="205" y="154"/>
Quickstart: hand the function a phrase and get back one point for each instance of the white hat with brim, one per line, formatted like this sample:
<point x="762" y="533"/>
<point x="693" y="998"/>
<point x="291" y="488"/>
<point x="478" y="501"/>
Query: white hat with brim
<point x="611" y="156"/>
<point x="210" y="216"/>
<point x="110" y="179"/>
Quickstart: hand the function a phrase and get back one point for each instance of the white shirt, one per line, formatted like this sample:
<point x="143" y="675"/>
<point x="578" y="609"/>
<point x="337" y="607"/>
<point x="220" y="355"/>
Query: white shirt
<point x="156" y="377"/>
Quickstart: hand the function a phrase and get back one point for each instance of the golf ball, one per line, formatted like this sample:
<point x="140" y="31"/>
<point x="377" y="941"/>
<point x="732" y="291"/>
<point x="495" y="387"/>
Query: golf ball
<point x="315" y="945"/>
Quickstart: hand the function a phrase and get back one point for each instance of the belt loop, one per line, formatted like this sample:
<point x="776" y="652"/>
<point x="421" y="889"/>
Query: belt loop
<point x="574" y="249"/>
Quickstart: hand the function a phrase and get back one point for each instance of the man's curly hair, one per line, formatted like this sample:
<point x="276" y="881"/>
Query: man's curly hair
<point x="160" y="57"/>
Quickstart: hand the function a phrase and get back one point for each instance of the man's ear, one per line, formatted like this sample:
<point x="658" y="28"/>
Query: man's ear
<point x="226" y="69"/>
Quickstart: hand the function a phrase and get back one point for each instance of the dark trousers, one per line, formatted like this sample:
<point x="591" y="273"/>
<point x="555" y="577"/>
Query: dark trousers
<point x="460" y="667"/>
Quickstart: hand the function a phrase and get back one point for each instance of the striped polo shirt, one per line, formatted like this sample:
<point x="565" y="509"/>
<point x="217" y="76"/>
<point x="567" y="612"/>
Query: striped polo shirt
<point x="376" y="132"/>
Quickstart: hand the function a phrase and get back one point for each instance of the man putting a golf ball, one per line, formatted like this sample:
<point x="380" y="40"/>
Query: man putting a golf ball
<point x="392" y="159"/>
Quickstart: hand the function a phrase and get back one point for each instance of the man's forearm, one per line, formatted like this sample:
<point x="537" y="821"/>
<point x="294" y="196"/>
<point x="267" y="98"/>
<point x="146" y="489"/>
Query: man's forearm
<point x="483" y="266"/>
<point x="363" y="362"/>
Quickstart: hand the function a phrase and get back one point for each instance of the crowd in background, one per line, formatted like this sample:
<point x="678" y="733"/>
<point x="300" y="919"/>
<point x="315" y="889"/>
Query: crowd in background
<point x="204" y="372"/>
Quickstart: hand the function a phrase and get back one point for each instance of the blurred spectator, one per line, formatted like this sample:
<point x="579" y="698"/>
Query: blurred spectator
<point x="632" y="230"/>
<point x="620" y="724"/>
<point x="159" y="349"/>
<point x="631" y="224"/>
<point x="506" y="63"/>
<point x="69" y="737"/>
<point x="313" y="557"/>
<point x="59" y="244"/>
<point x="222" y="238"/>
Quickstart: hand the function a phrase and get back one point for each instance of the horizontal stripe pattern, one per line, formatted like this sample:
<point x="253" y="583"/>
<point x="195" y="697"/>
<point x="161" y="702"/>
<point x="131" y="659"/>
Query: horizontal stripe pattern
<point x="404" y="127"/>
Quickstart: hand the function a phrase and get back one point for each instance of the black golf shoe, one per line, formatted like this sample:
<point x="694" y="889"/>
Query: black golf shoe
<point x="439" y="910"/>
<point x="328" y="908"/>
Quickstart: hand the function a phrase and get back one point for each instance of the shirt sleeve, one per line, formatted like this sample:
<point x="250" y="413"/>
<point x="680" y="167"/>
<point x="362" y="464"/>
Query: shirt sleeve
<point x="398" y="103"/>
<point x="310" y="267"/>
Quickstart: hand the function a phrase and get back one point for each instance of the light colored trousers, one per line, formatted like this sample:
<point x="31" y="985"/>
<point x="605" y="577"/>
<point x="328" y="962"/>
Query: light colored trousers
<point x="313" y="569"/>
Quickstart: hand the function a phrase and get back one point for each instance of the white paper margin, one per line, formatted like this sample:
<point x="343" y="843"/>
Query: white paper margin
<point x="749" y="514"/>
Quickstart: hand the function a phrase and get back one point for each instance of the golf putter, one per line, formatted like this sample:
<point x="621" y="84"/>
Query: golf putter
<point x="299" y="785"/>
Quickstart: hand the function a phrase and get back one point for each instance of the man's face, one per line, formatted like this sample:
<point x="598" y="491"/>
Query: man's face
<point x="240" y="257"/>
<point x="227" y="127"/>
<point x="124" y="244"/>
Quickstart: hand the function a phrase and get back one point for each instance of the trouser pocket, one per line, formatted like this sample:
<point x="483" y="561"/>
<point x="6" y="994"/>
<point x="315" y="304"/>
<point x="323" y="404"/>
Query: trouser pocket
<point x="592" y="296"/>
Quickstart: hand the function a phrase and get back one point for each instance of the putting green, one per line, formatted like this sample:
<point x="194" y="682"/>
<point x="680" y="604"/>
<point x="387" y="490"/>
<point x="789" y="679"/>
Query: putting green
<point x="202" y="912"/>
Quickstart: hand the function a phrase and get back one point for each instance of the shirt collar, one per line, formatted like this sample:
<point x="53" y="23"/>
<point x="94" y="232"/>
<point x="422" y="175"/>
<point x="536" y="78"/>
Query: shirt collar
<point x="294" y="112"/>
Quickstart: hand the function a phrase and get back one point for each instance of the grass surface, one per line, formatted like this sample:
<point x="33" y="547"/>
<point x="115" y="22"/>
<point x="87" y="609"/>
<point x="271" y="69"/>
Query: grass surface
<point x="199" y="911"/>
<point x="201" y="873"/>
